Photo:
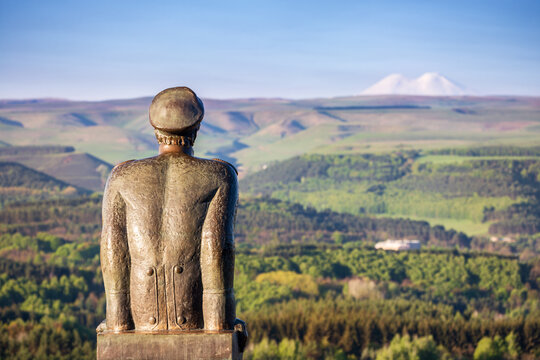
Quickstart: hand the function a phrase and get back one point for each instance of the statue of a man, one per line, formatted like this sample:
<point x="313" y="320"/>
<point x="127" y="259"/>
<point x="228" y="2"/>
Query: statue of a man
<point x="167" y="248"/>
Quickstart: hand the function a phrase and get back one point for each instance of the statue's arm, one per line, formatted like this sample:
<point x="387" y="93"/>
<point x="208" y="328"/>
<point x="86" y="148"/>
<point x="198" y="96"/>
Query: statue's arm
<point x="115" y="260"/>
<point x="217" y="257"/>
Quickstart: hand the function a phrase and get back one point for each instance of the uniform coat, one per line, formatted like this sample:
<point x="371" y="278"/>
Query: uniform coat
<point x="167" y="248"/>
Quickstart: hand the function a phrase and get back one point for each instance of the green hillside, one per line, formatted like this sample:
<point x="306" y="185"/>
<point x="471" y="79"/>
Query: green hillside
<point x="260" y="221"/>
<point x="478" y="195"/>
<point x="62" y="162"/>
<point x="19" y="184"/>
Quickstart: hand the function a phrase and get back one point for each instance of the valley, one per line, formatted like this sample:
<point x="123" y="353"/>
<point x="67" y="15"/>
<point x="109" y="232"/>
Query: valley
<point x="321" y="182"/>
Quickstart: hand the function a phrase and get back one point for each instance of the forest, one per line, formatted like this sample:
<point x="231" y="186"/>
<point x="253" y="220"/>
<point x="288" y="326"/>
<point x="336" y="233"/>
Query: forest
<point x="308" y="280"/>
<point x="331" y="299"/>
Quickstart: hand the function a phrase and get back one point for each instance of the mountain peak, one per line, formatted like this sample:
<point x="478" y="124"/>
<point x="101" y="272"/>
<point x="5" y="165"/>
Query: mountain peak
<point x="428" y="84"/>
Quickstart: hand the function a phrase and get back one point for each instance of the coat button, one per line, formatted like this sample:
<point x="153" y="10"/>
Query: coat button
<point x="181" y="320"/>
<point x="150" y="272"/>
<point x="178" y="269"/>
<point x="152" y="320"/>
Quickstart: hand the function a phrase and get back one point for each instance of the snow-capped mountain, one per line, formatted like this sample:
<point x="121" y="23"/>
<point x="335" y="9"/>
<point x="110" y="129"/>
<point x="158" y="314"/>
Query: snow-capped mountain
<point x="430" y="84"/>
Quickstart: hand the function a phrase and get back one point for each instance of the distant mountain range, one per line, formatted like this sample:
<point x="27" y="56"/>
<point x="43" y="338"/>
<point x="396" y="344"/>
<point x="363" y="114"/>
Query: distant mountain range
<point x="429" y="84"/>
<point x="253" y="133"/>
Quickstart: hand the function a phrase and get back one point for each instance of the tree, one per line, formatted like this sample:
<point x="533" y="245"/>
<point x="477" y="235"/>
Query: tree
<point x="489" y="349"/>
<point x="403" y="348"/>
<point x="513" y="349"/>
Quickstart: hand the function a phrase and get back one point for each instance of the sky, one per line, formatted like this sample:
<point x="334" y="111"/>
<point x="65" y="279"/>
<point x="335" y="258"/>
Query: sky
<point x="95" y="50"/>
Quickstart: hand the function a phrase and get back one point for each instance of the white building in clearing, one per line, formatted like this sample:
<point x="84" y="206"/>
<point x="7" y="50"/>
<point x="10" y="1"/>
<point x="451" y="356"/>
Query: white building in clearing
<point x="398" y="245"/>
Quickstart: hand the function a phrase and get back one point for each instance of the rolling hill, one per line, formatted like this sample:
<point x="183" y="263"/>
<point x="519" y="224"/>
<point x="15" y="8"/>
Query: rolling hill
<point x="256" y="132"/>
<point x="61" y="162"/>
<point x="19" y="183"/>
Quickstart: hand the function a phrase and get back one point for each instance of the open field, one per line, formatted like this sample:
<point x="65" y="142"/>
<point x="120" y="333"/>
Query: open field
<point x="469" y="227"/>
<point x="464" y="193"/>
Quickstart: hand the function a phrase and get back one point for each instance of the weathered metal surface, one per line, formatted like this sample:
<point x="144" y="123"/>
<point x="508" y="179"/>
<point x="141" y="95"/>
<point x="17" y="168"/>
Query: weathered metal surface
<point x="167" y="248"/>
<point x="168" y="346"/>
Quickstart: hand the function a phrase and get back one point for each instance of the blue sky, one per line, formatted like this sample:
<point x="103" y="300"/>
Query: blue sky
<point x="296" y="49"/>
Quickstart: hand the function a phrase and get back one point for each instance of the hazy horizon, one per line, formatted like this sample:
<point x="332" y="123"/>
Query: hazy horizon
<point x="45" y="98"/>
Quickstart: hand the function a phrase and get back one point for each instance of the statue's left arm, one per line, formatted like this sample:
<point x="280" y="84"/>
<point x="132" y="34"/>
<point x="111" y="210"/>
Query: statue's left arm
<point x="115" y="260"/>
<point x="217" y="256"/>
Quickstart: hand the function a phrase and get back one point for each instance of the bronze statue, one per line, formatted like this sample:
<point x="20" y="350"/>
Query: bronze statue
<point x="167" y="247"/>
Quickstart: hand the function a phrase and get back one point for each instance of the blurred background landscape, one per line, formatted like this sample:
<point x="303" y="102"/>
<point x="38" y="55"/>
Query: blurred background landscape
<point x="347" y="129"/>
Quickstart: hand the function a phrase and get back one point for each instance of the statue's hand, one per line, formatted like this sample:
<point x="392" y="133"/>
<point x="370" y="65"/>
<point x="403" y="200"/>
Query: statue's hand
<point x="102" y="327"/>
<point x="240" y="328"/>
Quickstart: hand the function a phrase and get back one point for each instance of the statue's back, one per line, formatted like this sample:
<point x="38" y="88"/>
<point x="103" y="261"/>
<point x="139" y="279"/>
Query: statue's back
<point x="169" y="201"/>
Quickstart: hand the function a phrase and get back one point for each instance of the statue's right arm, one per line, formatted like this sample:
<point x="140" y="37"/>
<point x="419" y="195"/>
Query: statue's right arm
<point x="115" y="260"/>
<point x="217" y="256"/>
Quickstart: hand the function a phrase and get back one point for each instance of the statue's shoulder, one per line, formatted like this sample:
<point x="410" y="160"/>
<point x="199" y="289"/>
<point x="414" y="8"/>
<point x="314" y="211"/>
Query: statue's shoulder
<point x="122" y="164"/>
<point x="127" y="169"/>
<point x="227" y="164"/>
<point x="120" y="168"/>
<point x="136" y="165"/>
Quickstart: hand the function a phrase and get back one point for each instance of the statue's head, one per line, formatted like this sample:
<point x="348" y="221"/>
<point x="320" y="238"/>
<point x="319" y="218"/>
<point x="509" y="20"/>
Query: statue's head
<point x="176" y="116"/>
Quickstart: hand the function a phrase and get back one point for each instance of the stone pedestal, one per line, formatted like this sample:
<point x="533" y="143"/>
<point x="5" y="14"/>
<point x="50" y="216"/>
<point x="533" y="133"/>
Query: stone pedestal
<point x="183" y="345"/>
